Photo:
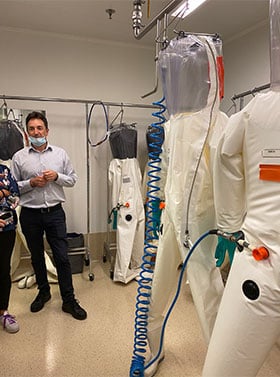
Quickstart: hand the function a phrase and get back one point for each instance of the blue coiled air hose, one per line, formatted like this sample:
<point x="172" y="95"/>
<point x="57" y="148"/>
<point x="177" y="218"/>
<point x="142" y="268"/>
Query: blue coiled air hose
<point x="137" y="366"/>
<point x="155" y="138"/>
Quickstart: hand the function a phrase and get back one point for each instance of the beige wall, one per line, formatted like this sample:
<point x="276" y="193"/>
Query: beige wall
<point x="48" y="65"/>
<point x="247" y="63"/>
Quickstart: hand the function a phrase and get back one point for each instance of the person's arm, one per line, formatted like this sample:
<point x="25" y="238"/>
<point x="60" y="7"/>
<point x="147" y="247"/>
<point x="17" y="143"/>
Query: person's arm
<point x="68" y="176"/>
<point x="229" y="185"/>
<point x="23" y="185"/>
<point x="229" y="180"/>
<point x="12" y="194"/>
<point x="13" y="188"/>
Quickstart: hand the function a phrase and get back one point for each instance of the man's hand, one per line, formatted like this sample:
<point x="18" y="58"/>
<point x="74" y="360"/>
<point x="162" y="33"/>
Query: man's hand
<point x="50" y="175"/>
<point x="38" y="181"/>
<point x="2" y="223"/>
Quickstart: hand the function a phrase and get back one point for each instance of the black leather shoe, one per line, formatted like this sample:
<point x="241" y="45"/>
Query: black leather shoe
<point x="40" y="301"/>
<point x="74" y="309"/>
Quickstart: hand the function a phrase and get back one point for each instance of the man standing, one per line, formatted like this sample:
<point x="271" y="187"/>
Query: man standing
<point x="42" y="170"/>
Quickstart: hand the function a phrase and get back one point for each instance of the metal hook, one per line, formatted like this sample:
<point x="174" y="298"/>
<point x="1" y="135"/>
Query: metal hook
<point x="234" y="106"/>
<point x="120" y="113"/>
<point x="156" y="84"/>
<point x="4" y="104"/>
<point x="156" y="68"/>
<point x="4" y="110"/>
<point x="11" y="111"/>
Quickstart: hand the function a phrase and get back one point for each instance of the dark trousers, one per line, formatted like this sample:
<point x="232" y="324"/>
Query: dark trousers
<point x="34" y="224"/>
<point x="7" y="242"/>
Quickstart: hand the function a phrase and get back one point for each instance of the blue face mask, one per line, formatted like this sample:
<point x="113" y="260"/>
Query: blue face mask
<point x="37" y="141"/>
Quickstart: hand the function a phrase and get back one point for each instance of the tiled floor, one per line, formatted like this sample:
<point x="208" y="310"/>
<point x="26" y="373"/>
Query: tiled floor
<point x="52" y="343"/>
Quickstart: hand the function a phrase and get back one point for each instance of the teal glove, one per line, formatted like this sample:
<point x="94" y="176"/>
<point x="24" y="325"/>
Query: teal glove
<point x="224" y="246"/>
<point x="155" y="213"/>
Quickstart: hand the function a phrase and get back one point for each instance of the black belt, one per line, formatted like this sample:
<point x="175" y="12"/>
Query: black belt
<point x="44" y="209"/>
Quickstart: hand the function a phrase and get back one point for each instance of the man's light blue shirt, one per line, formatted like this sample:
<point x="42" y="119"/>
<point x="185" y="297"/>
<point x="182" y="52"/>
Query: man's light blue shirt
<point x="28" y="163"/>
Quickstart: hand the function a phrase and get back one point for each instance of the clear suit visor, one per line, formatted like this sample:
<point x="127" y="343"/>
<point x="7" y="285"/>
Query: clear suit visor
<point x="184" y="70"/>
<point x="183" y="67"/>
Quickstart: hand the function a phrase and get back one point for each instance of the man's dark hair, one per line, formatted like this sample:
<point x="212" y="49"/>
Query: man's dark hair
<point x="37" y="115"/>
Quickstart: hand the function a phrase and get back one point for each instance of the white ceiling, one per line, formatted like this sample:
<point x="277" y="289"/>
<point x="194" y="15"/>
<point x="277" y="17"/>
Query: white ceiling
<point x="88" y="18"/>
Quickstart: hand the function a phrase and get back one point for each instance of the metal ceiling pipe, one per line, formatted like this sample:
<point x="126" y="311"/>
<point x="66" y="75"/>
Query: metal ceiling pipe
<point x="137" y="17"/>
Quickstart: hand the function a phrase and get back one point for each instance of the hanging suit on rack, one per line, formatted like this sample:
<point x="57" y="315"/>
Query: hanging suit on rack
<point x="125" y="183"/>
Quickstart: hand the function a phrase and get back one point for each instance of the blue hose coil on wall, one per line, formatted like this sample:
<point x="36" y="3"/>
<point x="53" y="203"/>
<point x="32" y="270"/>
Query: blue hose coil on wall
<point x="156" y="133"/>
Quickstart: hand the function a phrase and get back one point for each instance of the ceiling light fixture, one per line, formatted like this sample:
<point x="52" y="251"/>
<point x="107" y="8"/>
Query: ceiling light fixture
<point x="187" y="7"/>
<point x="110" y="12"/>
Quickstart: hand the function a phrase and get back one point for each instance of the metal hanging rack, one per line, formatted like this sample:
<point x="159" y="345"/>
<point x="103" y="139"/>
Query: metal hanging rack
<point x="73" y="100"/>
<point x="85" y="102"/>
<point x="241" y="96"/>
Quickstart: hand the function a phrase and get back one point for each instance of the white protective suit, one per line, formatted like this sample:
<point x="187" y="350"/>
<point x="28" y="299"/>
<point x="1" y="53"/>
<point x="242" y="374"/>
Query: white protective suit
<point x="192" y="140"/>
<point x="125" y="180"/>
<point x="247" y="178"/>
<point x="247" y="195"/>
